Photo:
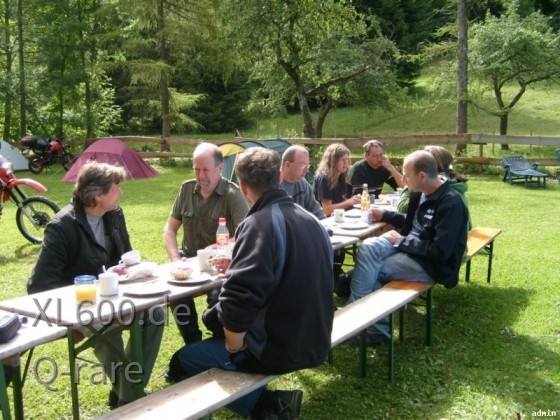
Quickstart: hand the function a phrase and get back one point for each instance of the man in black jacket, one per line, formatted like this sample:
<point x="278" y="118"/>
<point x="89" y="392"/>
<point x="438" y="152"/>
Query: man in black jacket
<point x="275" y="309"/>
<point x="429" y="245"/>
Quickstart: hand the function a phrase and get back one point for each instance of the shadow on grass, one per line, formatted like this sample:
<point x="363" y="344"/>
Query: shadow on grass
<point x="472" y="351"/>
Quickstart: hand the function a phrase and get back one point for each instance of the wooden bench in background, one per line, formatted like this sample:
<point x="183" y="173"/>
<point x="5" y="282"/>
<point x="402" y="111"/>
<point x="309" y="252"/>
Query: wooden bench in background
<point x="479" y="240"/>
<point x="204" y="393"/>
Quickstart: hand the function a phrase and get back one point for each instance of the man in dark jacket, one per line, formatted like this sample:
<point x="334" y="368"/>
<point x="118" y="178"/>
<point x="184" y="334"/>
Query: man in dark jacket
<point x="431" y="241"/>
<point x="82" y="238"/>
<point x="275" y="309"/>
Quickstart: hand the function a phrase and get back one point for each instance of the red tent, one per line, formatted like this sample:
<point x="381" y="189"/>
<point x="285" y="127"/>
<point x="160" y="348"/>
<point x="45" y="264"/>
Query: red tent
<point x="115" y="152"/>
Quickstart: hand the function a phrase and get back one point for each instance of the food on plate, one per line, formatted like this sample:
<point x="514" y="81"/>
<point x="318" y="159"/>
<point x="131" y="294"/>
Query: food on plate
<point x="217" y="260"/>
<point x="181" y="273"/>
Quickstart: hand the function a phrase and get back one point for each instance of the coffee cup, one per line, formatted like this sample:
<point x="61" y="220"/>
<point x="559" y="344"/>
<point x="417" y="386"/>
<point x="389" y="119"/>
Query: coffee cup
<point x="338" y="215"/>
<point x="108" y="284"/>
<point x="203" y="255"/>
<point x="130" y="258"/>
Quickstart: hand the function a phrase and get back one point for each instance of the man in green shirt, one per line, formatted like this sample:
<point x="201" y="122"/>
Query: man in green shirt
<point x="198" y="205"/>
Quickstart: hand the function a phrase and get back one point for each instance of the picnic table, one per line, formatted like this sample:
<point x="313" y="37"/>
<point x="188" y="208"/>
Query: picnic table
<point x="31" y="334"/>
<point x="58" y="307"/>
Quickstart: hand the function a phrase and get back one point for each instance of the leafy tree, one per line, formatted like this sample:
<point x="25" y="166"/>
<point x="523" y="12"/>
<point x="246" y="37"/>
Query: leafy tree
<point x="511" y="51"/>
<point x="319" y="53"/>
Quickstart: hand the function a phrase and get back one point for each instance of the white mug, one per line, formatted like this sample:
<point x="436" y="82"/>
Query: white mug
<point x="130" y="258"/>
<point x="108" y="284"/>
<point x="338" y="215"/>
<point x="203" y="255"/>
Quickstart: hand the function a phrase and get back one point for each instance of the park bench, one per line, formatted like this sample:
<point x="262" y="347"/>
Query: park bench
<point x="480" y="241"/>
<point x="204" y="393"/>
<point x="519" y="169"/>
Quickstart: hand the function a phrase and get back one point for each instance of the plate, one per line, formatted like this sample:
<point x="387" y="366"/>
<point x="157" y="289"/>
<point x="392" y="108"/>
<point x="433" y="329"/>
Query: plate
<point x="199" y="279"/>
<point x="147" y="290"/>
<point x="357" y="225"/>
<point x="353" y="213"/>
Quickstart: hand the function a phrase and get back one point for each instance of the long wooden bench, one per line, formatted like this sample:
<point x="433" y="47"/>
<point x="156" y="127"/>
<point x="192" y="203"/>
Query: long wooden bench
<point x="215" y="388"/>
<point x="480" y="240"/>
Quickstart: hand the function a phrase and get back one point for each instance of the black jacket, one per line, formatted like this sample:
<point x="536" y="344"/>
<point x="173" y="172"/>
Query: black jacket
<point x="279" y="287"/>
<point x="440" y="247"/>
<point x="69" y="248"/>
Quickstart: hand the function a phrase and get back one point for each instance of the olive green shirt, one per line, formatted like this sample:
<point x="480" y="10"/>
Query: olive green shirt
<point x="200" y="218"/>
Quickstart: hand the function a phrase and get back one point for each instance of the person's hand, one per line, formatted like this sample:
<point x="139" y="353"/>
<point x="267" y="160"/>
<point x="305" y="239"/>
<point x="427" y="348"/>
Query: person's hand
<point x="386" y="162"/>
<point x="377" y="214"/>
<point x="220" y="262"/>
<point x="392" y="236"/>
<point x="355" y="199"/>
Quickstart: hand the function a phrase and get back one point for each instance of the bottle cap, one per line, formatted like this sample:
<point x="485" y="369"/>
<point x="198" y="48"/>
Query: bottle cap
<point x="222" y="220"/>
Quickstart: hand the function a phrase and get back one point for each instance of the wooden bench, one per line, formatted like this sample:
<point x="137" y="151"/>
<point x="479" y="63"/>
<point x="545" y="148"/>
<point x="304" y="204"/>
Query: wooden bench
<point x="31" y="334"/>
<point x="204" y="393"/>
<point x="478" y="240"/>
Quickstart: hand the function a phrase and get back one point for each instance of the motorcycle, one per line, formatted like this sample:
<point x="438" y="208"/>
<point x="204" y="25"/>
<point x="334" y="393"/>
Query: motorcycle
<point x="45" y="153"/>
<point x="33" y="212"/>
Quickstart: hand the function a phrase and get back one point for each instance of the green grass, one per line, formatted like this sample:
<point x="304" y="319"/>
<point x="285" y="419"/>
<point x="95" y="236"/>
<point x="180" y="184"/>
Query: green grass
<point x="475" y="368"/>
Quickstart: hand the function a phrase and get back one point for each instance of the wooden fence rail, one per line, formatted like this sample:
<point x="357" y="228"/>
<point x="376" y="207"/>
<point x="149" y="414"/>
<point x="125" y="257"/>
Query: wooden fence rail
<point x="356" y="143"/>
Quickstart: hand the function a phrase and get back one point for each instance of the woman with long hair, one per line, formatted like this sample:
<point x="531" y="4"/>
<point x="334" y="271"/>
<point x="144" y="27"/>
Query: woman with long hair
<point x="331" y="185"/>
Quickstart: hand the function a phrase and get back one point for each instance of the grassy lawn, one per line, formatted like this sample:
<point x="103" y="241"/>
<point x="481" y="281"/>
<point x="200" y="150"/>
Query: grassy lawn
<point x="475" y="368"/>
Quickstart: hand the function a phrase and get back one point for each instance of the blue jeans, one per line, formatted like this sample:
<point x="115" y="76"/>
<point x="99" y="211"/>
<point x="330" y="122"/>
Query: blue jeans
<point x="378" y="262"/>
<point x="211" y="353"/>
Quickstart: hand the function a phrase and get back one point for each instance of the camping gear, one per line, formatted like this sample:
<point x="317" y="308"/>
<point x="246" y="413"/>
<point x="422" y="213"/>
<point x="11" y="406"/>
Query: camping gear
<point x="519" y="169"/>
<point x="45" y="153"/>
<point x="115" y="152"/>
<point x="33" y="213"/>
<point x="13" y="155"/>
<point x="231" y="150"/>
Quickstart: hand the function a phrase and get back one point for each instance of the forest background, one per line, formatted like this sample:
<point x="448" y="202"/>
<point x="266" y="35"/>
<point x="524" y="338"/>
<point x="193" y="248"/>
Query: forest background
<point x="93" y="68"/>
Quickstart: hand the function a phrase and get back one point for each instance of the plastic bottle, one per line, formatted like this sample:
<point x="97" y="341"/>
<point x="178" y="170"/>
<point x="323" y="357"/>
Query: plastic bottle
<point x="366" y="202"/>
<point x="222" y="234"/>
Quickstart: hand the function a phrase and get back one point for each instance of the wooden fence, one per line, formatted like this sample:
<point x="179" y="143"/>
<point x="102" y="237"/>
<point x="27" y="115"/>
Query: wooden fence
<point x="166" y="144"/>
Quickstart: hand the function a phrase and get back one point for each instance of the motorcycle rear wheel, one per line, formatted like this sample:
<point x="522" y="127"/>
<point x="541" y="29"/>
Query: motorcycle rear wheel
<point x="36" y="165"/>
<point x="32" y="217"/>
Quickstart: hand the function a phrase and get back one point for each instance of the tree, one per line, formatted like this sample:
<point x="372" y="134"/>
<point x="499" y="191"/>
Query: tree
<point x="462" y="72"/>
<point x="511" y="52"/>
<point x="319" y="53"/>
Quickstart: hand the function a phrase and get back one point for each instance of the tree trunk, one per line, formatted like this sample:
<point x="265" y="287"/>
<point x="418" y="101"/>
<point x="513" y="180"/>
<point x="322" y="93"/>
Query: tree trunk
<point x="22" y="87"/>
<point x="87" y="78"/>
<point x="163" y="84"/>
<point x="462" y="73"/>
<point x="503" y="130"/>
<point x="9" y="75"/>
<point x="323" y="112"/>
<point x="308" y="126"/>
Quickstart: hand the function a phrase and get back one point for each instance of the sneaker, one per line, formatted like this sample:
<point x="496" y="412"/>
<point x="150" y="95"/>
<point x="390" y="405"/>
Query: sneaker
<point x="287" y="404"/>
<point x="372" y="340"/>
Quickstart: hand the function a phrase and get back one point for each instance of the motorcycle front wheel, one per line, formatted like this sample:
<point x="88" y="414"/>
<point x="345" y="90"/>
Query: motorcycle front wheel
<point x="36" y="165"/>
<point x="32" y="217"/>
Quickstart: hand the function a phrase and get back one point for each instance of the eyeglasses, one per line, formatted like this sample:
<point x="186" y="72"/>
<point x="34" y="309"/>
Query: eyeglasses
<point x="301" y="164"/>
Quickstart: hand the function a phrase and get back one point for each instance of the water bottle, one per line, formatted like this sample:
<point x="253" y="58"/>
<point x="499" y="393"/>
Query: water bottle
<point x="222" y="234"/>
<point x="366" y="202"/>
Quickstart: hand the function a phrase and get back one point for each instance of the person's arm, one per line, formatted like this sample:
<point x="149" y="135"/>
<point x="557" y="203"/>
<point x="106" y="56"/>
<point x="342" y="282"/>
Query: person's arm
<point x="394" y="173"/>
<point x="47" y="273"/>
<point x="234" y="341"/>
<point x="238" y="208"/>
<point x="402" y="207"/>
<point x="170" y="238"/>
<point x="329" y="207"/>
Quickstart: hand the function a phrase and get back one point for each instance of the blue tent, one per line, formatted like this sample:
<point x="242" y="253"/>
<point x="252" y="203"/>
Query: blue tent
<point x="231" y="150"/>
